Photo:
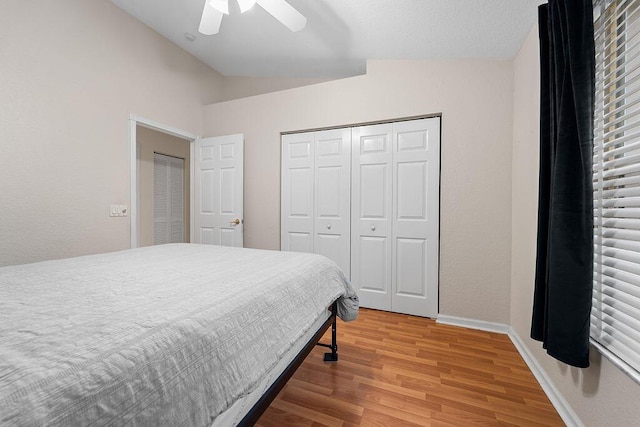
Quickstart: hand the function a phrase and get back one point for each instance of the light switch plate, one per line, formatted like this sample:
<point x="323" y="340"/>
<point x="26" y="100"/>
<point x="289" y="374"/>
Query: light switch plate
<point x="118" y="210"/>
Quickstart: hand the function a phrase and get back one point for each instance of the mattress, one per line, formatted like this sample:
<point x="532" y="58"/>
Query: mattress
<point x="241" y="407"/>
<point x="171" y="334"/>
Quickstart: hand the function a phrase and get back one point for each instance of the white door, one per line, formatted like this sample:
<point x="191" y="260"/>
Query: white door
<point x="218" y="190"/>
<point x="371" y="214"/>
<point x="416" y="193"/>
<point x="296" y="228"/>
<point x="332" y="201"/>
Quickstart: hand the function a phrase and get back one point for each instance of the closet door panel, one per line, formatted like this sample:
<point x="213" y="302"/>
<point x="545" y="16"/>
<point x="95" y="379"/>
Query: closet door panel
<point x="374" y="272"/>
<point x="373" y="194"/>
<point x="372" y="214"/>
<point x="416" y="157"/>
<point x="329" y="245"/>
<point x="296" y="233"/>
<point x="299" y="242"/>
<point x="411" y="184"/>
<point x="332" y="206"/>
<point x="410" y="267"/>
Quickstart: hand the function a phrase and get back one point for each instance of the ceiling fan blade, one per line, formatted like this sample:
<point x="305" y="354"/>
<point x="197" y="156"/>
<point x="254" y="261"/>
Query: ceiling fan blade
<point x="285" y="13"/>
<point x="210" y="21"/>
<point x="245" y="5"/>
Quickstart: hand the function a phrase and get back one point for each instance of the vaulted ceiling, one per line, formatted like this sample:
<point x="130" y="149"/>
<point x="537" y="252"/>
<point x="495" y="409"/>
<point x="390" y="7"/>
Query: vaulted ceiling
<point x="341" y="35"/>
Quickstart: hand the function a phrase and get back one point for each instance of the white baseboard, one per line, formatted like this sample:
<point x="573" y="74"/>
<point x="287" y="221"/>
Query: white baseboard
<point x="567" y="414"/>
<point x="501" y="328"/>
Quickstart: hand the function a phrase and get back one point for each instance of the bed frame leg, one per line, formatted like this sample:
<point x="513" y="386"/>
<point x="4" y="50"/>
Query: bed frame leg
<point x="333" y="356"/>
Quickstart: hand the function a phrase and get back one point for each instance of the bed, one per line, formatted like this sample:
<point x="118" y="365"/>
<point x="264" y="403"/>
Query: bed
<point x="178" y="334"/>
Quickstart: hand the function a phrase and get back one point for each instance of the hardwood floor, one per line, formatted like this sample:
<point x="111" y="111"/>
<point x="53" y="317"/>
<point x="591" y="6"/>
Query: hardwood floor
<point x="398" y="370"/>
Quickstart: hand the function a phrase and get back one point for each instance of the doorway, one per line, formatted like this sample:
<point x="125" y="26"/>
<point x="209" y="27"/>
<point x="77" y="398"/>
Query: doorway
<point x="164" y="180"/>
<point x="216" y="190"/>
<point x="147" y="138"/>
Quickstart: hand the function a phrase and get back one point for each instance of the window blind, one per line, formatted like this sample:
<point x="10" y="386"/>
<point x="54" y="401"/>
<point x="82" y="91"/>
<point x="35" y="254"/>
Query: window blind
<point x="615" y="314"/>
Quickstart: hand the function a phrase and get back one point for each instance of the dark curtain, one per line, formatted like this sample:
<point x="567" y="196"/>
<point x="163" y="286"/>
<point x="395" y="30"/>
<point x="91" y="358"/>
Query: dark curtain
<point x="564" y="264"/>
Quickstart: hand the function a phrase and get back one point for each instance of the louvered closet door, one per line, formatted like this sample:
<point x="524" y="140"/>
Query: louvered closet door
<point x="332" y="196"/>
<point x="416" y="173"/>
<point x="296" y="229"/>
<point x="168" y="197"/>
<point x="371" y="214"/>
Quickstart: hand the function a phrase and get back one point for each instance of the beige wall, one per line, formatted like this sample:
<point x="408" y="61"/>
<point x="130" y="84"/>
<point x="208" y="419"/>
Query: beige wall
<point x="151" y="142"/>
<point x="600" y="395"/>
<point x="71" y="73"/>
<point x="475" y="99"/>
<point x="235" y="87"/>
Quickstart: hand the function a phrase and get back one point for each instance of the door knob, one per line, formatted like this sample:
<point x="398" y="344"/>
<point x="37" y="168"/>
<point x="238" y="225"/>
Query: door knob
<point x="373" y="228"/>
<point x="328" y="226"/>
<point x="235" y="222"/>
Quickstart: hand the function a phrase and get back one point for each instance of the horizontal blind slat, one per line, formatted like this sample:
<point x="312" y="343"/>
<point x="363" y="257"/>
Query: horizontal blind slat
<point x="625" y="276"/>
<point x="621" y="244"/>
<point x="618" y="213"/>
<point x="612" y="114"/>
<point x="618" y="182"/>
<point x="630" y="191"/>
<point x="616" y="310"/>
<point x="631" y="202"/>
<point x="620" y="171"/>
<point x="605" y="252"/>
<point x="621" y="223"/>
<point x="617" y="285"/>
<point x="619" y="162"/>
<point x="624" y="345"/>
<point x="614" y="143"/>
<point x="624" y="148"/>
<point x="615" y="75"/>
<point x="619" y="349"/>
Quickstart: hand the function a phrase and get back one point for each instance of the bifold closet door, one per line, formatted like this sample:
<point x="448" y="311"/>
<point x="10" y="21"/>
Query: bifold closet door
<point x="296" y="228"/>
<point x="332" y="201"/>
<point x="415" y="229"/>
<point x="395" y="216"/>
<point x="316" y="194"/>
<point x="371" y="214"/>
<point x="367" y="197"/>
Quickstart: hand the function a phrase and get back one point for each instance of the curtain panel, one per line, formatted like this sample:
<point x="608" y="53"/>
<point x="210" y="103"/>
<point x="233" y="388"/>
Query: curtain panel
<point x="564" y="263"/>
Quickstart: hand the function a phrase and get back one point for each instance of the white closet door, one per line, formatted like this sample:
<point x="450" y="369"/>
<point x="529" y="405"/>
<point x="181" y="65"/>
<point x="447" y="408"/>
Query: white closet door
<point x="371" y="214"/>
<point x="376" y="214"/>
<point x="297" y="192"/>
<point x="332" y="201"/>
<point x="416" y="174"/>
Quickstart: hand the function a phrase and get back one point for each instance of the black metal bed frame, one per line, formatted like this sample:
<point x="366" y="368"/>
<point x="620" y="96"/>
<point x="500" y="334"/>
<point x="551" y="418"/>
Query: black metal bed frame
<point x="263" y="403"/>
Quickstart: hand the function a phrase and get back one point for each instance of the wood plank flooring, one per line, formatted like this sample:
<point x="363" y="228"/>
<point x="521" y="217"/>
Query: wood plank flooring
<point x="398" y="370"/>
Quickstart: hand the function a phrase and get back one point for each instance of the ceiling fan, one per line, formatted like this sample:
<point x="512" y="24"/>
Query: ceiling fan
<point x="214" y="10"/>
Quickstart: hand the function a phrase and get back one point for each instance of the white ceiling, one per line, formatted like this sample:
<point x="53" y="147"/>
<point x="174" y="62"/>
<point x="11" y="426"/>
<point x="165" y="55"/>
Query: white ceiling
<point x="342" y="34"/>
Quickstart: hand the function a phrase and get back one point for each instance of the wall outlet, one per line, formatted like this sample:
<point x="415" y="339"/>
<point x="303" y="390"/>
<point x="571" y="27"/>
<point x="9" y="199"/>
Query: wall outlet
<point x="118" y="210"/>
